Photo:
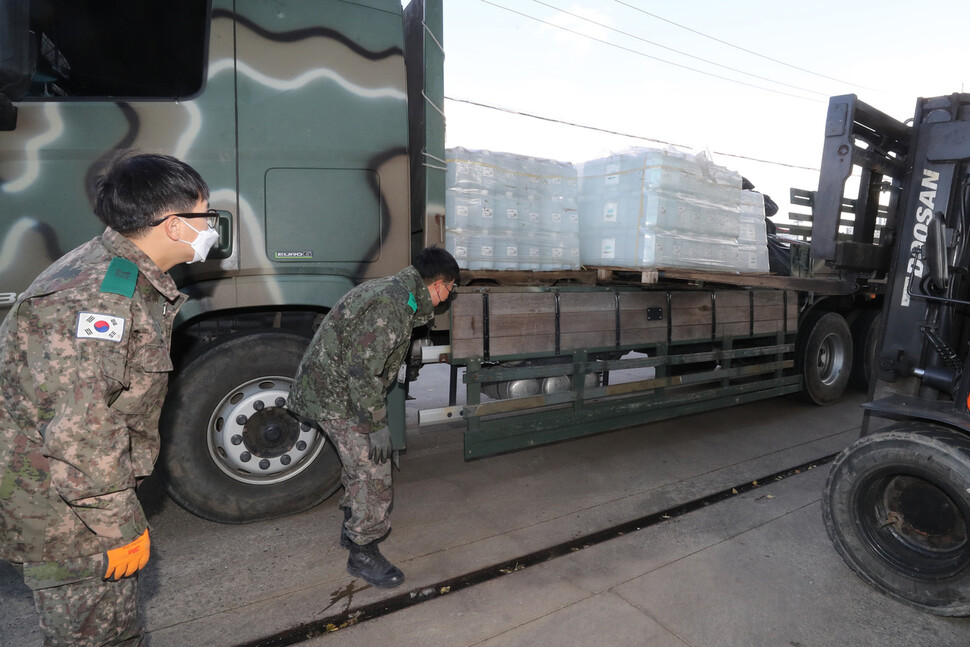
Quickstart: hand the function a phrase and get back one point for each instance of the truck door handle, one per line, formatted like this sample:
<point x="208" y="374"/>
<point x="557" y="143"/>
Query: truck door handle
<point x="439" y="218"/>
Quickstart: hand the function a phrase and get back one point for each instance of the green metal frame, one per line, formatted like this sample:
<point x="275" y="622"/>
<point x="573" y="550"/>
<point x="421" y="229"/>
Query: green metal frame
<point x="396" y="397"/>
<point x="500" y="426"/>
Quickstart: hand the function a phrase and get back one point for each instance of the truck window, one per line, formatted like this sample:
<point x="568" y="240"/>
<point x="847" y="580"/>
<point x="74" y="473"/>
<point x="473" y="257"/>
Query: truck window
<point x="117" y="49"/>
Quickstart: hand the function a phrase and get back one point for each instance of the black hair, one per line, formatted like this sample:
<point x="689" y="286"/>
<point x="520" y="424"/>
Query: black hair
<point x="136" y="188"/>
<point x="434" y="263"/>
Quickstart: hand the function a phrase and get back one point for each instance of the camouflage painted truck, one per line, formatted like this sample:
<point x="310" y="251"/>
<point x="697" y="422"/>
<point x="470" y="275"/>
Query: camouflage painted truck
<point x="319" y="127"/>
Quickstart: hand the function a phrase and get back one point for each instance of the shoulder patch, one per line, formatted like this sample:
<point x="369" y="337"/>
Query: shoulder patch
<point x="412" y="302"/>
<point x="120" y="278"/>
<point x="94" y="325"/>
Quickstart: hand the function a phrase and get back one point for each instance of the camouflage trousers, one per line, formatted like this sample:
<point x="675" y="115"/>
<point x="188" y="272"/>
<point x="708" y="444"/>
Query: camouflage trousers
<point x="368" y="491"/>
<point x="79" y="609"/>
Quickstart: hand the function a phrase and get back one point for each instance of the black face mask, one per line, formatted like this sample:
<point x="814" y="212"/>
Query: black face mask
<point x="450" y="297"/>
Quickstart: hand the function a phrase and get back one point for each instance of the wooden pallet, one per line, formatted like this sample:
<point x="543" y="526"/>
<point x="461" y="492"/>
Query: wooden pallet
<point x="527" y="277"/>
<point x="647" y="276"/>
<point x="654" y="276"/>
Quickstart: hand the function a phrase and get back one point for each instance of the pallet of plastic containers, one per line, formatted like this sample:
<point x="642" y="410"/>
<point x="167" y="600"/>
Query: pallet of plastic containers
<point x="650" y="208"/>
<point x="511" y="212"/>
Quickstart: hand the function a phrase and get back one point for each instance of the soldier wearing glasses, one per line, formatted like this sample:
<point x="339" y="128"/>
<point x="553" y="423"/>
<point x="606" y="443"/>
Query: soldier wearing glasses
<point x="342" y="384"/>
<point x="84" y="362"/>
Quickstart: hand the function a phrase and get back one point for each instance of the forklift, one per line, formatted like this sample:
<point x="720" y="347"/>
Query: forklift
<point x="896" y="502"/>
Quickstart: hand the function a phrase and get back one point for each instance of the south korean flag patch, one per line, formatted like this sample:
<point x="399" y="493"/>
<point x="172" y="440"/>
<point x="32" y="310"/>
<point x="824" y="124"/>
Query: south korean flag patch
<point x="91" y="325"/>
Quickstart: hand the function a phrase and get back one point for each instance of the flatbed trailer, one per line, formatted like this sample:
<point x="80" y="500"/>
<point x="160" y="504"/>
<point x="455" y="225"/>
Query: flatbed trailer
<point x="537" y="360"/>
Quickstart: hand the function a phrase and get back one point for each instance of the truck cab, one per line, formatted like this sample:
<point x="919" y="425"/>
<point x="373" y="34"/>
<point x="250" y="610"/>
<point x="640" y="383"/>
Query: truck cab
<point x="297" y="116"/>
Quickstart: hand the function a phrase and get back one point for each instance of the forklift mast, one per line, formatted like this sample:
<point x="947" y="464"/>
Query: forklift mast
<point x="918" y="176"/>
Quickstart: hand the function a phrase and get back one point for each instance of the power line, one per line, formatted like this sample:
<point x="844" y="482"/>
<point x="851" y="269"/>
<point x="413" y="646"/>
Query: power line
<point x="621" y="134"/>
<point x="656" y="58"/>
<point x="560" y="121"/>
<point x="677" y="51"/>
<point x="738" y="47"/>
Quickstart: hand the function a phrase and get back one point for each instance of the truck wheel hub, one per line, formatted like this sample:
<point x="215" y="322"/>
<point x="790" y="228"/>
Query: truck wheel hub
<point x="253" y="439"/>
<point x="830" y="361"/>
<point x="270" y="433"/>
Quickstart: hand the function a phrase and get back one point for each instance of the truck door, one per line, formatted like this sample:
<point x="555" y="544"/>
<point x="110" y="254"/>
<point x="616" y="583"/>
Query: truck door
<point x="322" y="111"/>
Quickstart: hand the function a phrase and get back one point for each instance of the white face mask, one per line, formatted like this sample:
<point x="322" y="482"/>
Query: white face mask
<point x="202" y="243"/>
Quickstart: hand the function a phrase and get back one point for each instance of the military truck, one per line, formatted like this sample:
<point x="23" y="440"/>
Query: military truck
<point x="319" y="127"/>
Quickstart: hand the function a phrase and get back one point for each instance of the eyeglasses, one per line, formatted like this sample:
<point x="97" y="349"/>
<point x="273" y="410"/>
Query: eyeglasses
<point x="211" y="218"/>
<point x="450" y="290"/>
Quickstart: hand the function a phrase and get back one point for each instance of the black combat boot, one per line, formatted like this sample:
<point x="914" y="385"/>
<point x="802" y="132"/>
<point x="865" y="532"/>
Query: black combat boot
<point x="367" y="563"/>
<point x="345" y="541"/>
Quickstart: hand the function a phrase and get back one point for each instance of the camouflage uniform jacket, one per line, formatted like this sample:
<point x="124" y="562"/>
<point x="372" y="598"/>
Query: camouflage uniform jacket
<point x="84" y="362"/>
<point x="357" y="351"/>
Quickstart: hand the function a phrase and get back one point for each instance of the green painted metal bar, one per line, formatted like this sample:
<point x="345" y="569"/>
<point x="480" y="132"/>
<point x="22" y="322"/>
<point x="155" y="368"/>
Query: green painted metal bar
<point x="592" y="351"/>
<point x="580" y="392"/>
<point x="502" y="373"/>
<point x="728" y="347"/>
<point x="662" y="351"/>
<point x="508" y="433"/>
<point x="512" y="405"/>
<point x="396" y="416"/>
<point x="687" y="380"/>
<point x="780" y="336"/>
<point x="473" y="396"/>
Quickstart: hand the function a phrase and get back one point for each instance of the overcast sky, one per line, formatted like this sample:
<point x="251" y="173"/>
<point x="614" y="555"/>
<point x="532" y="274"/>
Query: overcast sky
<point x="749" y="78"/>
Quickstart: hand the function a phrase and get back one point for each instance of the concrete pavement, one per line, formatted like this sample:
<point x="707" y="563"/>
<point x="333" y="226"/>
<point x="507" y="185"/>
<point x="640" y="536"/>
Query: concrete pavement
<point x="753" y="571"/>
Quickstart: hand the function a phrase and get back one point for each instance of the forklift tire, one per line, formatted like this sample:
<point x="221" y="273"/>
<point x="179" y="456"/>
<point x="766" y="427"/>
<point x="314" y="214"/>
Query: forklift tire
<point x="823" y="355"/>
<point x="896" y="505"/>
<point x="231" y="452"/>
<point x="865" y="336"/>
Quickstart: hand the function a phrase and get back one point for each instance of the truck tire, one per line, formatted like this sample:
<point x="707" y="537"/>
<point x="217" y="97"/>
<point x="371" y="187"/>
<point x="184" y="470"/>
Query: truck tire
<point x="230" y="451"/>
<point x="824" y="356"/>
<point x="865" y="336"/>
<point x="896" y="505"/>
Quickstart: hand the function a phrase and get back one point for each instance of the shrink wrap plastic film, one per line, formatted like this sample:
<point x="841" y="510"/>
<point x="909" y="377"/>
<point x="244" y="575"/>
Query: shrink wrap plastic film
<point x="648" y="208"/>
<point x="639" y="209"/>
<point x="511" y="212"/>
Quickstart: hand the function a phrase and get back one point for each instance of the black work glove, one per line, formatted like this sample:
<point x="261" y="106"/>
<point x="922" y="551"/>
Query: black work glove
<point x="380" y="445"/>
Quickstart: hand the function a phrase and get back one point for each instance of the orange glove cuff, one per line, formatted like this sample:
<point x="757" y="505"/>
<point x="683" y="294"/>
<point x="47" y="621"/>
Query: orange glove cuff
<point x="127" y="560"/>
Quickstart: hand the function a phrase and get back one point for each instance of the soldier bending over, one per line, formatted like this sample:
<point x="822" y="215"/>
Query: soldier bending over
<point x="342" y="383"/>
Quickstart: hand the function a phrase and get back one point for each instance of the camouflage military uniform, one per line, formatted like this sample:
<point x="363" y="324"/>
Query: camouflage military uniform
<point x="343" y="381"/>
<point x="84" y="361"/>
